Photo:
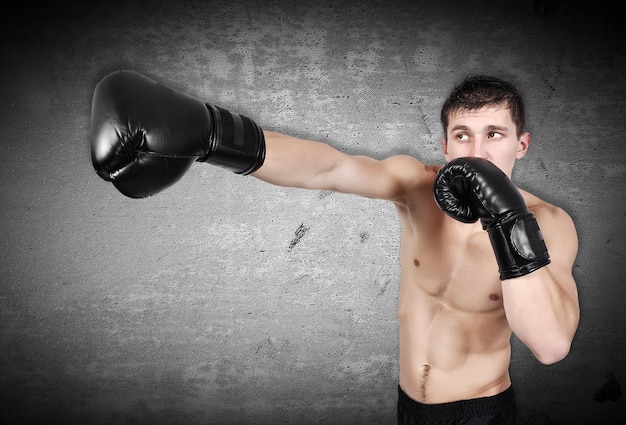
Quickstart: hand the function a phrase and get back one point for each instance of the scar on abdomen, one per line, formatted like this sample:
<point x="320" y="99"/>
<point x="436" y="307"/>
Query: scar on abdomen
<point x="494" y="297"/>
<point x="424" y="380"/>
<point x="416" y="262"/>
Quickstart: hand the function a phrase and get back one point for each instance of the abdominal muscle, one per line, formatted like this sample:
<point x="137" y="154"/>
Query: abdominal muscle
<point x="454" y="336"/>
<point x="447" y="354"/>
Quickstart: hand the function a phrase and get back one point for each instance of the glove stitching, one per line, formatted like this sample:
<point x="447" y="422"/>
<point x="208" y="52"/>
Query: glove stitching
<point x="166" y="155"/>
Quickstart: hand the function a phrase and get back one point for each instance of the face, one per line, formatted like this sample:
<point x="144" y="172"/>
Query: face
<point x="488" y="133"/>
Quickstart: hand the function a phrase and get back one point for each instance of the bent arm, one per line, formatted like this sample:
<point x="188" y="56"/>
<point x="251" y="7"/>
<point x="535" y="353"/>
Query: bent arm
<point x="542" y="307"/>
<point x="294" y="162"/>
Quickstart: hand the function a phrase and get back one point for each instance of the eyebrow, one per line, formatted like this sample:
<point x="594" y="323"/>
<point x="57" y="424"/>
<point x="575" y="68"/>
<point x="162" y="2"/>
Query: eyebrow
<point x="497" y="128"/>
<point x="488" y="128"/>
<point x="459" y="127"/>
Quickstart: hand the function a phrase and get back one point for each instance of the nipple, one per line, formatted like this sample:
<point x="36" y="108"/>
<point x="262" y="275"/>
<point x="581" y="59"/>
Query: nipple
<point x="494" y="297"/>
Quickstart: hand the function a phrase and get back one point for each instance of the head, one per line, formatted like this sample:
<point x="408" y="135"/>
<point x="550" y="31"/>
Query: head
<point x="484" y="117"/>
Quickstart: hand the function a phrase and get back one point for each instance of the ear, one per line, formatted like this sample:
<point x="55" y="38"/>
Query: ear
<point x="444" y="147"/>
<point x="522" y="145"/>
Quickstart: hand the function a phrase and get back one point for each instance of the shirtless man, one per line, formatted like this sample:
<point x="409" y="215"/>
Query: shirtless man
<point x="480" y="259"/>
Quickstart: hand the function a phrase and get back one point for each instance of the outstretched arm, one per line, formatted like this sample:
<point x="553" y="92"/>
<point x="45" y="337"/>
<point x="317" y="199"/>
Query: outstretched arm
<point x="294" y="162"/>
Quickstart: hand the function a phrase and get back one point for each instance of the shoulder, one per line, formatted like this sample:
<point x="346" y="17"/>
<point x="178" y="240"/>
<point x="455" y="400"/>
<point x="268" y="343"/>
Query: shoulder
<point x="545" y="211"/>
<point x="555" y="223"/>
<point x="410" y="169"/>
<point x="413" y="178"/>
<point x="405" y="162"/>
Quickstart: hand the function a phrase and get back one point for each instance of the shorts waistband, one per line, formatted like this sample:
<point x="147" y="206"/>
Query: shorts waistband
<point x="456" y="410"/>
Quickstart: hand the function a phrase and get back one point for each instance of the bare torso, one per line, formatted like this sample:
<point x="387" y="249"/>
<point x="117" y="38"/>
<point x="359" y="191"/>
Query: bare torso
<point x="454" y="336"/>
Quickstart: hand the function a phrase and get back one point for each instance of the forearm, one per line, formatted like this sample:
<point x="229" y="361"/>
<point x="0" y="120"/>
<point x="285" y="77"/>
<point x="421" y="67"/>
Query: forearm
<point x="294" y="162"/>
<point x="542" y="314"/>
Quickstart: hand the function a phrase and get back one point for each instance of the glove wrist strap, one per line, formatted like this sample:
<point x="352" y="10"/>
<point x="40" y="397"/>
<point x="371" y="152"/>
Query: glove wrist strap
<point x="518" y="244"/>
<point x="236" y="143"/>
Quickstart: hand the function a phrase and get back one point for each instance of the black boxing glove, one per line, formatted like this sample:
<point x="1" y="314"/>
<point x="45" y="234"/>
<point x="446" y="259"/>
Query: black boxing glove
<point x="468" y="189"/>
<point x="145" y="136"/>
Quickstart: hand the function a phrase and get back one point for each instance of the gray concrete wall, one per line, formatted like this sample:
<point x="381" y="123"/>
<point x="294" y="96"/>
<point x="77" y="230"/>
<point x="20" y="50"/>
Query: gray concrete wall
<point x="228" y="301"/>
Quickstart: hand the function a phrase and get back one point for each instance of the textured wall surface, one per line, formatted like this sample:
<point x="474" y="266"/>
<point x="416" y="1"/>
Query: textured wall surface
<point x="224" y="300"/>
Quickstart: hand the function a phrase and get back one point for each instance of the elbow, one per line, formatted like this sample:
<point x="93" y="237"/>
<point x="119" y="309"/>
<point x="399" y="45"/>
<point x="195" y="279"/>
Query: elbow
<point x="552" y="353"/>
<point x="554" y="347"/>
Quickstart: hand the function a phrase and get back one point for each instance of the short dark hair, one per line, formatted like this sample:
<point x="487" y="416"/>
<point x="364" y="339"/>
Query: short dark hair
<point x="478" y="91"/>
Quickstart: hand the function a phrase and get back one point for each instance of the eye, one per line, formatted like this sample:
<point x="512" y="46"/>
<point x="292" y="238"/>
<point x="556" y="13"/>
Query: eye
<point x="494" y="135"/>
<point x="462" y="137"/>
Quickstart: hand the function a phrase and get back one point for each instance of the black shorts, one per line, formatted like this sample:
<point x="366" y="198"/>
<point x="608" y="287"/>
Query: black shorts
<point x="495" y="410"/>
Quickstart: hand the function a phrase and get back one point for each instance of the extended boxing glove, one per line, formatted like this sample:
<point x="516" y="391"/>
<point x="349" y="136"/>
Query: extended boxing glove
<point x="145" y="136"/>
<point x="468" y="189"/>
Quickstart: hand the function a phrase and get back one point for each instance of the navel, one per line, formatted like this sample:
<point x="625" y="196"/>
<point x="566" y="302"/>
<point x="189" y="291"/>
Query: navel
<point x="494" y="297"/>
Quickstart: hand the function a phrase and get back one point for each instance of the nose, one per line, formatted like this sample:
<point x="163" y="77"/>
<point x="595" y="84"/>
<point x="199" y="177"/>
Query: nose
<point x="478" y="149"/>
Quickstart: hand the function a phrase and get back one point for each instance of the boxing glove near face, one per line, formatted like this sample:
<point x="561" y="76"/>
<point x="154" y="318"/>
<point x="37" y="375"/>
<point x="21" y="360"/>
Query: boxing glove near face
<point x="468" y="189"/>
<point x="145" y="136"/>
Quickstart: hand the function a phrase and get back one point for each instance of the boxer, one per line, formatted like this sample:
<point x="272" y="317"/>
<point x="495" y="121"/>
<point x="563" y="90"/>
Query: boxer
<point x="480" y="258"/>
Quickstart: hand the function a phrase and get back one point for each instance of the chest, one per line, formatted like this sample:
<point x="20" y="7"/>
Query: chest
<point x="459" y="270"/>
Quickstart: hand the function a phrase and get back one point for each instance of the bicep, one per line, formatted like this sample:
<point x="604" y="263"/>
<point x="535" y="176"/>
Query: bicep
<point x="560" y="236"/>
<point x="388" y="179"/>
<point x="561" y="239"/>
